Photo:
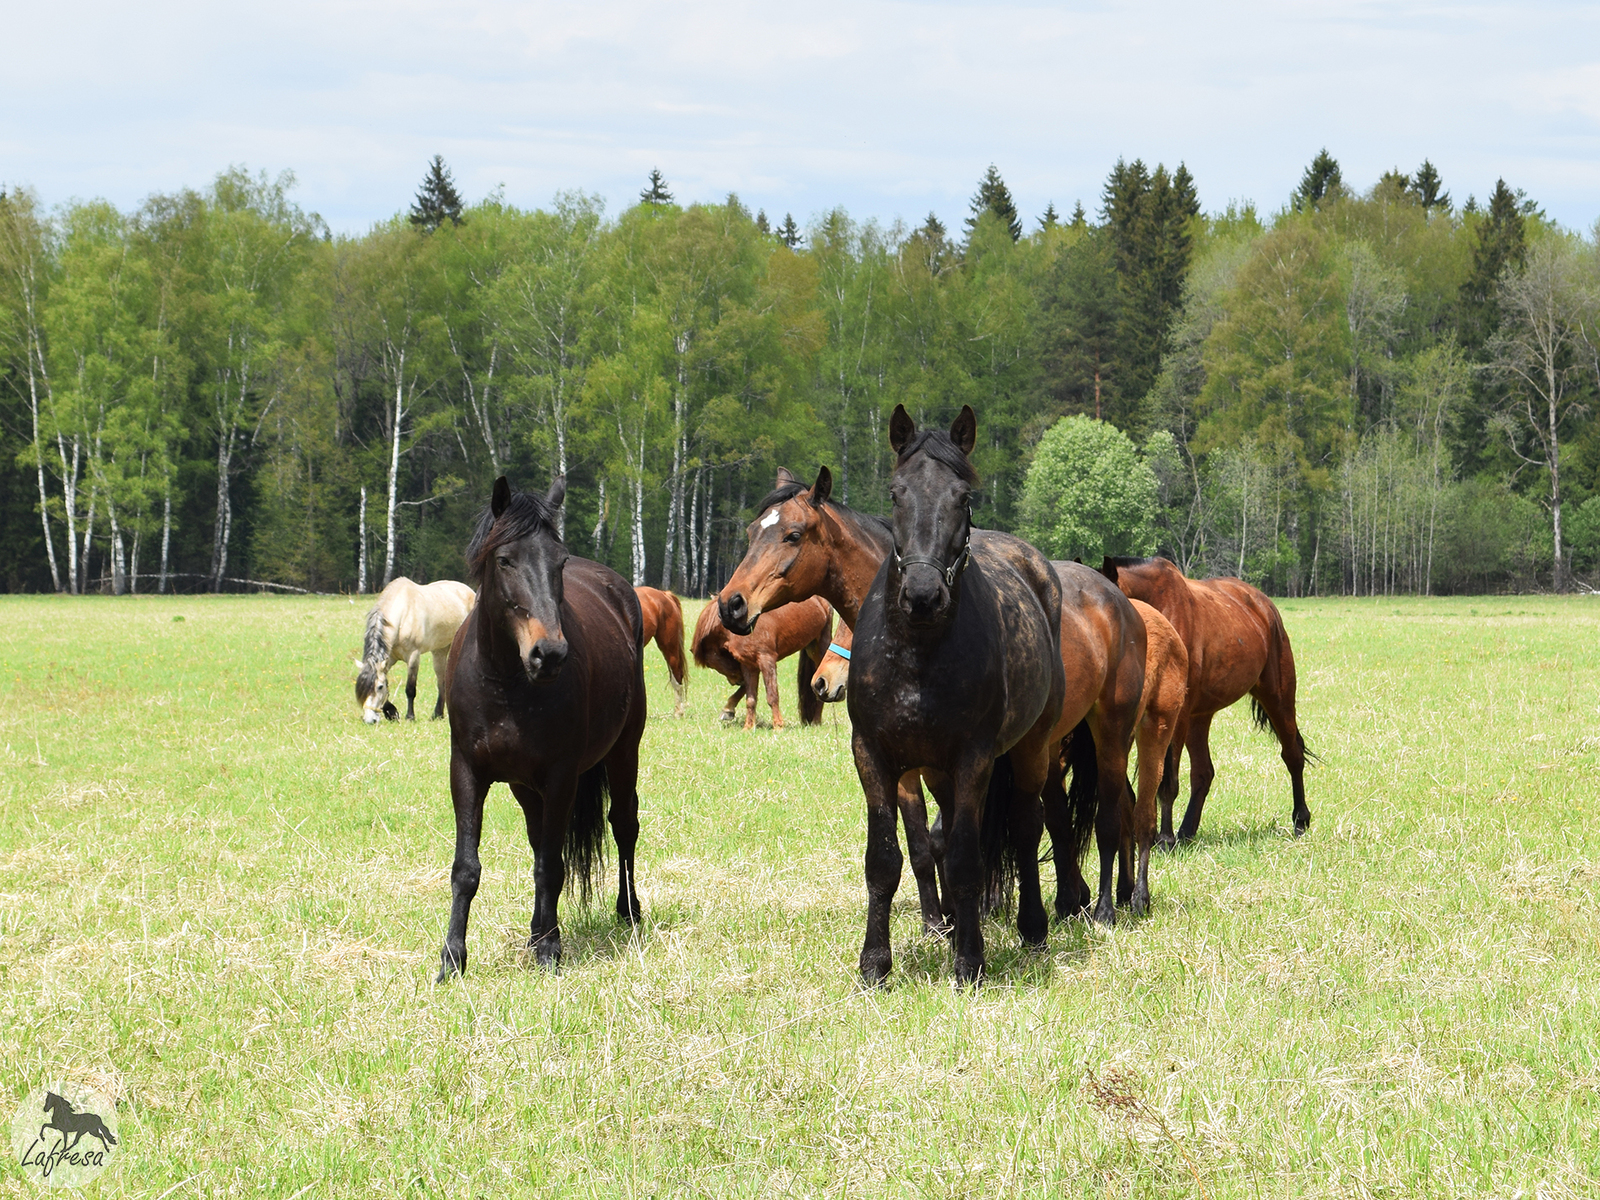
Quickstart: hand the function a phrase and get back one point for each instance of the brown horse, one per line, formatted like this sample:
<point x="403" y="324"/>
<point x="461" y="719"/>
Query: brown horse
<point x="1237" y="645"/>
<point x="804" y="628"/>
<point x="1166" y="685"/>
<point x="663" y="625"/>
<point x="547" y="695"/>
<point x="833" y="672"/>
<point x="806" y="544"/>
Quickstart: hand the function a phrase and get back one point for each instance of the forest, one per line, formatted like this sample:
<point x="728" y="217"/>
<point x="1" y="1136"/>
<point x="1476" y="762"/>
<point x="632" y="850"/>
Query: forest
<point x="1365" y="392"/>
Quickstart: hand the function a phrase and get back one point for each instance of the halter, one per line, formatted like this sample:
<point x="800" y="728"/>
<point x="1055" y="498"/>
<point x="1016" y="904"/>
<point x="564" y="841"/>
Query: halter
<point x="951" y="571"/>
<point x="839" y="650"/>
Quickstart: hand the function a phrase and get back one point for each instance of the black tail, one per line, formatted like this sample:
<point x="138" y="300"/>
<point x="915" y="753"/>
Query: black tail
<point x="810" y="702"/>
<point x="586" y="830"/>
<point x="994" y="836"/>
<point x="1259" y="714"/>
<point x="1083" y="792"/>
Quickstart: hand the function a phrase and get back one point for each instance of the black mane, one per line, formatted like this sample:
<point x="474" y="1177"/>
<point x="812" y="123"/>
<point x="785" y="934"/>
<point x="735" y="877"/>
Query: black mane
<point x="525" y="514"/>
<point x="936" y="444"/>
<point x="789" y="491"/>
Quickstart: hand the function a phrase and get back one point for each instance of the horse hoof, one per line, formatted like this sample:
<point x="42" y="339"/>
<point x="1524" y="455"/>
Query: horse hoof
<point x="1105" y="914"/>
<point x="1301" y="824"/>
<point x="391" y="713"/>
<point x="875" y="968"/>
<point x="629" y="914"/>
<point x="1166" y="841"/>
<point x="727" y="718"/>
<point x="969" y="973"/>
<point x="450" y="967"/>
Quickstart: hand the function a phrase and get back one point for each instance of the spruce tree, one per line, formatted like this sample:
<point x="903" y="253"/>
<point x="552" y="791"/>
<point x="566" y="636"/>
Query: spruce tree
<point x="657" y="192"/>
<point x="1080" y="219"/>
<point x="1429" y="189"/>
<point x="1051" y="218"/>
<point x="763" y="226"/>
<point x="789" y="232"/>
<point x="1322" y="181"/>
<point x="994" y="197"/>
<point x="1501" y="242"/>
<point x="437" y="200"/>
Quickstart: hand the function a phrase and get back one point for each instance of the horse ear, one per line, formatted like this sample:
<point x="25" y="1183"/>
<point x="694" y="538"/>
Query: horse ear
<point x="501" y="497"/>
<point x="822" y="488"/>
<point x="1109" y="569"/>
<point x="785" y="477"/>
<point x="359" y="664"/>
<point x="964" y="429"/>
<point x="557" y="492"/>
<point x="901" y="428"/>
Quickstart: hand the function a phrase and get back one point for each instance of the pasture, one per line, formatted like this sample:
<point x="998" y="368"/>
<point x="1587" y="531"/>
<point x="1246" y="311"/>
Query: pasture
<point x="222" y="899"/>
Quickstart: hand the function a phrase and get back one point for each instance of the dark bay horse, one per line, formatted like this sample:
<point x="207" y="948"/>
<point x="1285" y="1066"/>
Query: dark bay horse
<point x="803" y="628"/>
<point x="1237" y="645"/>
<point x="663" y="625"/>
<point x="956" y="664"/>
<point x="547" y="695"/>
<point x="804" y="543"/>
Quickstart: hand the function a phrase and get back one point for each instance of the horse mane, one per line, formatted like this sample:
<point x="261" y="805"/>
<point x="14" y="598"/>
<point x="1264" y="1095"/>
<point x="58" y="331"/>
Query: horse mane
<point x="373" y="651"/>
<point x="525" y="514"/>
<point x="1127" y="560"/>
<point x="936" y="444"/>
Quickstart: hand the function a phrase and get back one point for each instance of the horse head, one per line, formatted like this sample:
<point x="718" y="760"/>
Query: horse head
<point x="788" y="555"/>
<point x="372" y="690"/>
<point x="516" y="557"/>
<point x="931" y="493"/>
<point x="832" y="675"/>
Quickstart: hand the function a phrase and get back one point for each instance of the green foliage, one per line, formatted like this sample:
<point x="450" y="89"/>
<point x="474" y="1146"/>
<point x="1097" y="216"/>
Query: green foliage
<point x="1088" y="493"/>
<point x="994" y="197"/>
<point x="1321" y="182"/>
<point x="655" y="191"/>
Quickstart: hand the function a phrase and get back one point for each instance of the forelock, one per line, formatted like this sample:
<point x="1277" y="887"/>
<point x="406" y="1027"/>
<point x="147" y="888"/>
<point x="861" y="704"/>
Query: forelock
<point x="781" y="496"/>
<point x="526" y="513"/>
<point x="936" y="444"/>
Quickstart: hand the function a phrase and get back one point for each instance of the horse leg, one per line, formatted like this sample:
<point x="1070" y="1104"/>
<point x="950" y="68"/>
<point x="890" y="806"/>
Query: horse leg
<point x="751" y="689"/>
<point x="939" y="784"/>
<point x="1280" y="714"/>
<point x="1026" y="828"/>
<point x="622" y="775"/>
<point x="964" y="865"/>
<point x="1111" y="758"/>
<point x="1151" y="771"/>
<point x="769" y="676"/>
<point x="549" y="872"/>
<point x="883" y="858"/>
<point x="413" y="665"/>
<point x="467" y="791"/>
<point x="441" y="667"/>
<point x="1201" y="773"/>
<point x="732" y="704"/>
<point x="1168" y="791"/>
<point x="919" y="843"/>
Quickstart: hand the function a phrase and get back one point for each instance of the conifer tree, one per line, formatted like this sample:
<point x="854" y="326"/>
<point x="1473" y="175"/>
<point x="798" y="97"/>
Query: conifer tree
<point x="437" y="200"/>
<point x="1079" y="217"/>
<point x="1051" y="218"/>
<point x="1501" y="242"/>
<point x="789" y="232"/>
<point x="1322" y="181"/>
<point x="1428" y="188"/>
<point x="763" y="226"/>
<point x="993" y="196"/>
<point x="657" y="192"/>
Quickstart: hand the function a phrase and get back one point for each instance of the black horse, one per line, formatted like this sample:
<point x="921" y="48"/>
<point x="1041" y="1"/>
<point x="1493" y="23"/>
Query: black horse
<point x="956" y="663"/>
<point x="546" y="694"/>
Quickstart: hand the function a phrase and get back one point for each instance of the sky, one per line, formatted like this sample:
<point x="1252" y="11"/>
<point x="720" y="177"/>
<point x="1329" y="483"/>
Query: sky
<point x="891" y="110"/>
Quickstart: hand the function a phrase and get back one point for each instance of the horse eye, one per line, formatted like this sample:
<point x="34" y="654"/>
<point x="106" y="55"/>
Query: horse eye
<point x="792" y="537"/>
<point x="503" y="561"/>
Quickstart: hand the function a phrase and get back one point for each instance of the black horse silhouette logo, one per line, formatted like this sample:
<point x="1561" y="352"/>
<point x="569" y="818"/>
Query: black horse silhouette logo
<point x="73" y="1125"/>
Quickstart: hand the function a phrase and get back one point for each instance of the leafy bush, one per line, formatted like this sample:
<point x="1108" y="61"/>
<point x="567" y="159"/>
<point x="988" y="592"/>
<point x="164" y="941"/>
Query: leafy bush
<point x="1088" y="493"/>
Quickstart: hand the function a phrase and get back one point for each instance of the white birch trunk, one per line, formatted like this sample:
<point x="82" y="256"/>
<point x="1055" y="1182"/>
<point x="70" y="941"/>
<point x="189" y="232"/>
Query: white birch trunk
<point x="361" y="557"/>
<point x="394" y="469"/>
<point x="166" y="536"/>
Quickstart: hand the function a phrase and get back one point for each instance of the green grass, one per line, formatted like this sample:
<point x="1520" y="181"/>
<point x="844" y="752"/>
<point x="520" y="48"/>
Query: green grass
<point x="222" y="898"/>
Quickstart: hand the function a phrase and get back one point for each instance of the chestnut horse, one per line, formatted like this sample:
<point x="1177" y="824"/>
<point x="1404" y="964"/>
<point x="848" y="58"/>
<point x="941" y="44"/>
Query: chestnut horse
<point x="663" y="625"/>
<point x="956" y="672"/>
<point x="804" y="543"/>
<point x="547" y="695"/>
<point x="1237" y="645"/>
<point x="802" y="628"/>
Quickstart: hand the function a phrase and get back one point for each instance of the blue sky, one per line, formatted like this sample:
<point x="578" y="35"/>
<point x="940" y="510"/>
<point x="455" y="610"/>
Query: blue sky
<point x="889" y="109"/>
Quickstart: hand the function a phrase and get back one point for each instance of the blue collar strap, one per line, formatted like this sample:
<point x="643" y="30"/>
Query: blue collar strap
<point x="839" y="650"/>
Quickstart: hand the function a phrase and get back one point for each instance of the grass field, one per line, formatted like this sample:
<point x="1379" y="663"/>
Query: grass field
<point x="222" y="899"/>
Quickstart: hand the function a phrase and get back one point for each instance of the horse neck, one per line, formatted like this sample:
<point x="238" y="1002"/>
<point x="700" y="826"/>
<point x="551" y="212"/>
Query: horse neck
<point x="858" y="549"/>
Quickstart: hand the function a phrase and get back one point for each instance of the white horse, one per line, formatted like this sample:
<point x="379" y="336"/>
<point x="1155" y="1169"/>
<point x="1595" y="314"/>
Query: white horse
<point x="408" y="621"/>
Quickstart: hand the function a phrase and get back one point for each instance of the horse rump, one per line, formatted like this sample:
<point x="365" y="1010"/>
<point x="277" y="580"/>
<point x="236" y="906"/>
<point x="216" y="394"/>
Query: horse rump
<point x="585" y="847"/>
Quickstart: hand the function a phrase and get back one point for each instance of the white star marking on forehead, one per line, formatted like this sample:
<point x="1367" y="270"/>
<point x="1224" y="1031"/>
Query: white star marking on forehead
<point x="771" y="519"/>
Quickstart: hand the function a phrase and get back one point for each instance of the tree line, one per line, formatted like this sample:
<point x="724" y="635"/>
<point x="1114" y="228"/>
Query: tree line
<point x="1366" y="392"/>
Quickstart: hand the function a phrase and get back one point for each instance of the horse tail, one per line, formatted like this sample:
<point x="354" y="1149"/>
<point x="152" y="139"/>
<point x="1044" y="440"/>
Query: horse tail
<point x="1083" y="792"/>
<point x="703" y="629"/>
<point x="810" y="659"/>
<point x="669" y="637"/>
<point x="994" y="836"/>
<point x="374" y="650"/>
<point x="586" y="830"/>
<point x="1259" y="714"/>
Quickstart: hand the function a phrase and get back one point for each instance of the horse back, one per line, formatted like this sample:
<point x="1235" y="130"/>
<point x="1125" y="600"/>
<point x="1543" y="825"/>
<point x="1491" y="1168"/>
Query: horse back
<point x="1103" y="639"/>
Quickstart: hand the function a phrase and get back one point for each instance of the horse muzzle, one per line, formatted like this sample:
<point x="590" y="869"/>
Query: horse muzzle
<point x="544" y="663"/>
<point x="736" y="615"/>
<point x="924" y="599"/>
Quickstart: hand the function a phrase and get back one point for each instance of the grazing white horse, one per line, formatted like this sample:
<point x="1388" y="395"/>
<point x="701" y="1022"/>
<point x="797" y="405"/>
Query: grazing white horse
<point x="408" y="621"/>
